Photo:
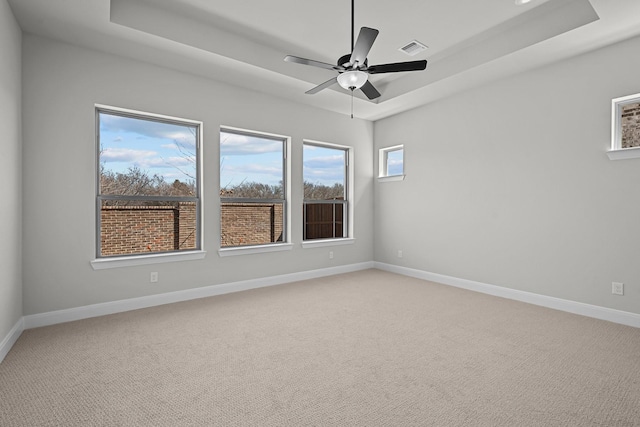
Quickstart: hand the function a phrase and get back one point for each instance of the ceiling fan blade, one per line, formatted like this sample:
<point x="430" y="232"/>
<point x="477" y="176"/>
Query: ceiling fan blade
<point x="363" y="45"/>
<point x="324" y="85"/>
<point x="397" y="67"/>
<point x="370" y="90"/>
<point x="303" y="61"/>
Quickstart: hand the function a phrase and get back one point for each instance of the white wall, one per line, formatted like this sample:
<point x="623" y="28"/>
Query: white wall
<point x="10" y="171"/>
<point x="61" y="85"/>
<point x="510" y="184"/>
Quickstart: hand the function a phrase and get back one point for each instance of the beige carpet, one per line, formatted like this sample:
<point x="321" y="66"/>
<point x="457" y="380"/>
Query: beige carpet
<point x="362" y="349"/>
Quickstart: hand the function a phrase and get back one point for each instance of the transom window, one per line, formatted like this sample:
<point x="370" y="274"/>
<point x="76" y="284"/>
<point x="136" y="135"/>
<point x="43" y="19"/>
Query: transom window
<point x="253" y="188"/>
<point x="326" y="204"/>
<point x="148" y="184"/>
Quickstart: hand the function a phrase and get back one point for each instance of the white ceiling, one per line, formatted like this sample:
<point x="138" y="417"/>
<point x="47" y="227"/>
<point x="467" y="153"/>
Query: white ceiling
<point x="243" y="42"/>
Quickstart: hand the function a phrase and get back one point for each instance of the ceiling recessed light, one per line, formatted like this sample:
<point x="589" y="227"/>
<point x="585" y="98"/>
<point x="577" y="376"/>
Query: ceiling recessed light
<point x="520" y="2"/>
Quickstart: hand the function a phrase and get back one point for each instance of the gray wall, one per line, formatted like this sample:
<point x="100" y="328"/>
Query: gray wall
<point x="510" y="184"/>
<point x="61" y="85"/>
<point x="10" y="171"/>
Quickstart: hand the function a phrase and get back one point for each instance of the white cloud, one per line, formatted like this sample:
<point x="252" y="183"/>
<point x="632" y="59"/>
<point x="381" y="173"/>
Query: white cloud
<point x="326" y="170"/>
<point x="125" y="155"/>
<point x="168" y="162"/>
<point x="326" y="162"/>
<point x="150" y="161"/>
<point x="147" y="128"/>
<point x="253" y="169"/>
<point x="232" y="144"/>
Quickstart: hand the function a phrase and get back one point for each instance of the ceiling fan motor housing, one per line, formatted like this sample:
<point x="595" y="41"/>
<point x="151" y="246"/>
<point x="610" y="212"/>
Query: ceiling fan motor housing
<point x="344" y="61"/>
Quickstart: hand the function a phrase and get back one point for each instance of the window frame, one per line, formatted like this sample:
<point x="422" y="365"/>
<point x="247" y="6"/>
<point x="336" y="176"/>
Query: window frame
<point x="283" y="245"/>
<point x="348" y="208"/>
<point x="383" y="163"/>
<point x="123" y="260"/>
<point x="617" y="152"/>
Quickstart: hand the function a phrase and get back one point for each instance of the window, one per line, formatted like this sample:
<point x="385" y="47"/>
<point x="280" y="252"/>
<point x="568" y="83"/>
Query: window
<point x="391" y="162"/>
<point x="625" y="123"/>
<point x="253" y="188"/>
<point x="326" y="204"/>
<point x="148" y="184"/>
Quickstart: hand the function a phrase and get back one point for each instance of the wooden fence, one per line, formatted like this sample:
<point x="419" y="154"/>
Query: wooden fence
<point x="324" y="220"/>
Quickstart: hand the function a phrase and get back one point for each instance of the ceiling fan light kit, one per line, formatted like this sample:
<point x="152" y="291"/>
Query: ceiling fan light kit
<point x="352" y="80"/>
<point x="353" y="69"/>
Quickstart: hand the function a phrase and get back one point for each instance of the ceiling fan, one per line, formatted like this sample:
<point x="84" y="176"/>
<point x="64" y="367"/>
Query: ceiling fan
<point x="353" y="68"/>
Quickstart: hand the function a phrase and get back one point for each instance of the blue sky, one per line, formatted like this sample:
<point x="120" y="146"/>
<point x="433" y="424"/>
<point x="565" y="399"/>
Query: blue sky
<point x="158" y="148"/>
<point x="323" y="165"/>
<point x="168" y="150"/>
<point x="245" y="158"/>
<point x="395" y="162"/>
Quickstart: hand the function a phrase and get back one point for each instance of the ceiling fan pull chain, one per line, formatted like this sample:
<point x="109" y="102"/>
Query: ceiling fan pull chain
<point x="351" y="103"/>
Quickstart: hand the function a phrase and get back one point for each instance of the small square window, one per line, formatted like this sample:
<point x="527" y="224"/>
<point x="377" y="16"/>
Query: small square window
<point x="630" y="125"/>
<point x="391" y="162"/>
<point x="625" y="127"/>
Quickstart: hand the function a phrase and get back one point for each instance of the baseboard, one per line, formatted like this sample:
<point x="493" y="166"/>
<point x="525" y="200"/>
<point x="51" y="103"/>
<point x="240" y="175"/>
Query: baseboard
<point x="598" y="312"/>
<point x="11" y="338"/>
<point x="95" y="310"/>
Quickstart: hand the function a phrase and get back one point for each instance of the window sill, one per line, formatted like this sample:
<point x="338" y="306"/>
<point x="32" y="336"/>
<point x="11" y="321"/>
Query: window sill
<point x="391" y="178"/>
<point x="327" y="242"/>
<point x="248" y="250"/>
<point x="129" y="261"/>
<point x="624" y="153"/>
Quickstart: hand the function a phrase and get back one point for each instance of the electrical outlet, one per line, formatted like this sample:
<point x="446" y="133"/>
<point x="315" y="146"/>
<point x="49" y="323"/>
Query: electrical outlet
<point x="617" y="288"/>
<point x="399" y="254"/>
<point x="153" y="277"/>
<point x="330" y="254"/>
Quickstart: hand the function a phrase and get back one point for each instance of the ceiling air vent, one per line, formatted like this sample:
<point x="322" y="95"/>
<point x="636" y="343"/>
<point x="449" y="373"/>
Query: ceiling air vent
<point x="413" y="48"/>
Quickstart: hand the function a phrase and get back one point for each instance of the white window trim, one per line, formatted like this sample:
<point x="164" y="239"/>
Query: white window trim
<point x="249" y="250"/>
<point x="100" y="263"/>
<point x="270" y="247"/>
<point x="320" y="243"/>
<point x="391" y="178"/>
<point x="617" y="152"/>
<point x="382" y="164"/>
<point x="350" y="190"/>
<point x="133" y="260"/>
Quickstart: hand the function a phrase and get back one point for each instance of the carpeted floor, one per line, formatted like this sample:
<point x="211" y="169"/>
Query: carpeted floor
<point x="362" y="349"/>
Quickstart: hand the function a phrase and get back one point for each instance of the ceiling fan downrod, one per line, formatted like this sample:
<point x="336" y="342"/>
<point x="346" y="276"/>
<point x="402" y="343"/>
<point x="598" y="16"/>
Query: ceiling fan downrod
<point x="353" y="28"/>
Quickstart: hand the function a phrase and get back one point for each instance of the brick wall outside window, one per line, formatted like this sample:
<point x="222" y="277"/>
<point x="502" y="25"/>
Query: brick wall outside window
<point x="631" y="125"/>
<point x="127" y="230"/>
<point x="250" y="223"/>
